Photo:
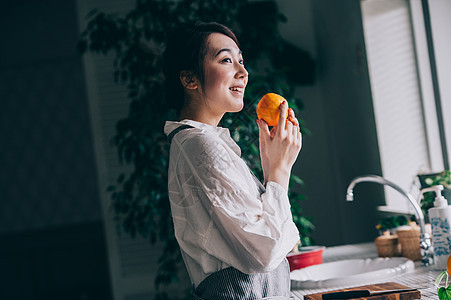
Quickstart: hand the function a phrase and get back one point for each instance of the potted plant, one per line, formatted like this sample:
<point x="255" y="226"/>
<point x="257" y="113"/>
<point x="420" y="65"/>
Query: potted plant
<point x="428" y="180"/>
<point x="391" y="223"/>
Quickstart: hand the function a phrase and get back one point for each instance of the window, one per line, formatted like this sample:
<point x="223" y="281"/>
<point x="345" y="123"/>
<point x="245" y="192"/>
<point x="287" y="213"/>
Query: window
<point x="407" y="117"/>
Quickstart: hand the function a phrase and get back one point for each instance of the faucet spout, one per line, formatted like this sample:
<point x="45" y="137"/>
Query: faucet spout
<point x="425" y="240"/>
<point x="377" y="179"/>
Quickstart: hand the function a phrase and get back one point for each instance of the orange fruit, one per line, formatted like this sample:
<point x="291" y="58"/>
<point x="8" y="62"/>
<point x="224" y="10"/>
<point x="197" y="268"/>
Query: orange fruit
<point x="448" y="265"/>
<point x="268" y="108"/>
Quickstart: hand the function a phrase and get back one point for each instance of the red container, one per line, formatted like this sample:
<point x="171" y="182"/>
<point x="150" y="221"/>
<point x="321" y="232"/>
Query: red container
<point x="307" y="256"/>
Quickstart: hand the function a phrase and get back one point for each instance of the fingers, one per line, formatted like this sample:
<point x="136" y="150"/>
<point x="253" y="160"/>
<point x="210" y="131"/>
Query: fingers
<point x="287" y="114"/>
<point x="299" y="139"/>
<point x="298" y="136"/>
<point x="286" y="117"/>
<point x="293" y="129"/>
<point x="296" y="129"/>
<point x="289" y="126"/>
<point x="263" y="131"/>
<point x="290" y="114"/>
<point x="282" y="115"/>
<point x="292" y="118"/>
<point x="296" y="132"/>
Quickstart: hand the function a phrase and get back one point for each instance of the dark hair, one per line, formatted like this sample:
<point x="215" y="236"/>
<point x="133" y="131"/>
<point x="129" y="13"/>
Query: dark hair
<point x="185" y="51"/>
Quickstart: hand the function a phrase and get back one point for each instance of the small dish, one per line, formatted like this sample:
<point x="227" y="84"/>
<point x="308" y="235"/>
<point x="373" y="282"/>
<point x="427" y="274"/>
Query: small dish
<point x="307" y="256"/>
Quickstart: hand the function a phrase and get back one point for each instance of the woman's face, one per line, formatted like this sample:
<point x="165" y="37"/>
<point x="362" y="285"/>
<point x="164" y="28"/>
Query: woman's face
<point x="225" y="77"/>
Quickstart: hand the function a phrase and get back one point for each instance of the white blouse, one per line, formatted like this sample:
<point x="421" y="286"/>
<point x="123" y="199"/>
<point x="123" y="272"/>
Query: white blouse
<point x="223" y="216"/>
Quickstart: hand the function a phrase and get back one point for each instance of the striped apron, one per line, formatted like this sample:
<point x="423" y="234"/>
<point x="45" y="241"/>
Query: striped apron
<point x="229" y="283"/>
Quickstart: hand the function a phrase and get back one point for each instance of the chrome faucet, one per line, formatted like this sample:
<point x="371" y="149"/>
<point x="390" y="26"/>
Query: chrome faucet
<point x="425" y="238"/>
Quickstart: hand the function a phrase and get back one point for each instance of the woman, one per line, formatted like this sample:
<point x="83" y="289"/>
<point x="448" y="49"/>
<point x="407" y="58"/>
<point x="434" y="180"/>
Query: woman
<point x="233" y="231"/>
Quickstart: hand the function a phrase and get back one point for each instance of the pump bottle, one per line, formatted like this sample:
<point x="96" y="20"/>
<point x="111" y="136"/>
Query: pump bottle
<point x="440" y="219"/>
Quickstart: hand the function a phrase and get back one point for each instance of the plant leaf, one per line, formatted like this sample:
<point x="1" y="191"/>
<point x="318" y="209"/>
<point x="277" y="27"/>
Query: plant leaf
<point x="444" y="293"/>
<point x="440" y="278"/>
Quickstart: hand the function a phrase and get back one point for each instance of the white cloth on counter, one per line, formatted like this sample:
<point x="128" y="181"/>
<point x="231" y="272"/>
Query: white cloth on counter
<point x="223" y="216"/>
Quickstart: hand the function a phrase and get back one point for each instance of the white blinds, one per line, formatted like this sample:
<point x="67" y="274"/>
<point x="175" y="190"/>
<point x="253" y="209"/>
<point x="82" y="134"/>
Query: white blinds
<point x="396" y="95"/>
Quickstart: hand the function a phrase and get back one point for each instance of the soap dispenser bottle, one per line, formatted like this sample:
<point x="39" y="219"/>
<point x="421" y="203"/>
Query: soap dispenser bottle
<point x="440" y="219"/>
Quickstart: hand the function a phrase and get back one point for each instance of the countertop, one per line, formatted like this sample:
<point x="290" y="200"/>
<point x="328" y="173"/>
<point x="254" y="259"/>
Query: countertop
<point x="422" y="277"/>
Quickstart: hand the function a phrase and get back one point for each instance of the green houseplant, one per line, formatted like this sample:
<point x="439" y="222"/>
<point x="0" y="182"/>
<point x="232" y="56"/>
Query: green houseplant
<point x="391" y="222"/>
<point x="428" y="180"/>
<point x="140" y="199"/>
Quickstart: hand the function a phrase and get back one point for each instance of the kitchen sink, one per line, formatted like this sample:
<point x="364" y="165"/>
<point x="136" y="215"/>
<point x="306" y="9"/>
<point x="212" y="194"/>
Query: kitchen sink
<point x="350" y="272"/>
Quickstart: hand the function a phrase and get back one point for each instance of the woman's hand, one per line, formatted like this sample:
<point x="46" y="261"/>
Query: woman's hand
<point x="279" y="147"/>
